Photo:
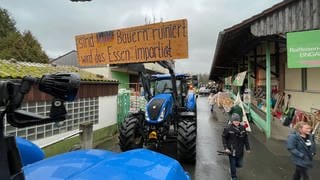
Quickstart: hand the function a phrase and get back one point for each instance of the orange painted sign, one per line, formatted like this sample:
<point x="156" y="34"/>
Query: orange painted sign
<point x="148" y="43"/>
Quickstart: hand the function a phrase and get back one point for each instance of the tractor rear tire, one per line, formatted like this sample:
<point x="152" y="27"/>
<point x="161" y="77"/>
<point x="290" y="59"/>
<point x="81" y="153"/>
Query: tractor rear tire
<point x="186" y="141"/>
<point x="129" y="137"/>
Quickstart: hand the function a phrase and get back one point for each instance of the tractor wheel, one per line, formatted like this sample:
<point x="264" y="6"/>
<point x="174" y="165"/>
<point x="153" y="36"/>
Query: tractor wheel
<point x="186" y="141"/>
<point x="129" y="137"/>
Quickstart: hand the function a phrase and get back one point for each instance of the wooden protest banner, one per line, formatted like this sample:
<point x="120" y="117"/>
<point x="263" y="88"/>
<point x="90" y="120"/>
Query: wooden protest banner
<point x="148" y="43"/>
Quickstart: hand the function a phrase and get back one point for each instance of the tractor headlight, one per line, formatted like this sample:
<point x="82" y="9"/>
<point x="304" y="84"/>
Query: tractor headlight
<point x="146" y="116"/>
<point x="161" y="117"/>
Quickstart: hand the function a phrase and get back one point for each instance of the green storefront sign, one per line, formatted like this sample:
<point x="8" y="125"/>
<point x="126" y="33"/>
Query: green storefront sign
<point x="303" y="49"/>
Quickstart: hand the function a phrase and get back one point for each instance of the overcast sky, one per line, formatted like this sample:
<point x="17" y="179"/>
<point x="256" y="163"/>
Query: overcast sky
<point x="55" y="22"/>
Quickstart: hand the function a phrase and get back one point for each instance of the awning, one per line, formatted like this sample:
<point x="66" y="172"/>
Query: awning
<point x="230" y="46"/>
<point x="271" y="24"/>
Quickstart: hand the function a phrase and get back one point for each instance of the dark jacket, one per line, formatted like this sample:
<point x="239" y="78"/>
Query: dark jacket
<point x="301" y="155"/>
<point x="235" y="138"/>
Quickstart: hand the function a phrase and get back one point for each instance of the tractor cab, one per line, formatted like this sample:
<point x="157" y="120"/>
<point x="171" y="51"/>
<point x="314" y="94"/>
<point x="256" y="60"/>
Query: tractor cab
<point x="162" y="84"/>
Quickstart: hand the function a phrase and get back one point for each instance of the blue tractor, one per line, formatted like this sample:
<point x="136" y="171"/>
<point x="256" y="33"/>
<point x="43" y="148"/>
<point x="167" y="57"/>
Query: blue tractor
<point x="171" y="113"/>
<point x="21" y="159"/>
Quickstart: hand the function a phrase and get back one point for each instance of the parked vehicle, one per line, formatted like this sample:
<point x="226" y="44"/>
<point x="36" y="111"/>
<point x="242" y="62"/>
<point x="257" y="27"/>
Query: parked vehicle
<point x="170" y="113"/>
<point x="203" y="91"/>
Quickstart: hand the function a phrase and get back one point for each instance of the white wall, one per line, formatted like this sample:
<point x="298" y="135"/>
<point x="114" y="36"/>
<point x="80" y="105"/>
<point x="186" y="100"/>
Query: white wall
<point x="107" y="117"/>
<point x="304" y="100"/>
<point x="107" y="111"/>
<point x="310" y="97"/>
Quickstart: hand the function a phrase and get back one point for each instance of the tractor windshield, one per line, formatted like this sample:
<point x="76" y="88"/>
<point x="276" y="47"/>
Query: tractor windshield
<point x="165" y="86"/>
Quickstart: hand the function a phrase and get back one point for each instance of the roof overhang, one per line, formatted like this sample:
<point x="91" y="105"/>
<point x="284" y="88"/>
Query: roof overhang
<point x="230" y="46"/>
<point x="236" y="41"/>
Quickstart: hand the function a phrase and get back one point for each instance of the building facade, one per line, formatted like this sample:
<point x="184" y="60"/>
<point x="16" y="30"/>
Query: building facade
<point x="258" y="45"/>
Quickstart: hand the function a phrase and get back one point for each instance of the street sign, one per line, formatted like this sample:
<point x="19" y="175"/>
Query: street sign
<point x="303" y="49"/>
<point x="140" y="44"/>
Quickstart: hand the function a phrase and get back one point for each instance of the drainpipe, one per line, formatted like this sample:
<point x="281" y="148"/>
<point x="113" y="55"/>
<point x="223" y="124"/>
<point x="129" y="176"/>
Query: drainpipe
<point x="268" y="91"/>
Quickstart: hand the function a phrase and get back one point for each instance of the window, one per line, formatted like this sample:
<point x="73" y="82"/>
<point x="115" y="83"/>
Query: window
<point x="82" y="110"/>
<point x="312" y="79"/>
<point x="163" y="86"/>
<point x="293" y="79"/>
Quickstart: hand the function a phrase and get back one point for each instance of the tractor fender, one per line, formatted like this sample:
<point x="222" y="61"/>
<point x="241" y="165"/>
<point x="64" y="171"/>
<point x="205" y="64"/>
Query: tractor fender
<point x="29" y="152"/>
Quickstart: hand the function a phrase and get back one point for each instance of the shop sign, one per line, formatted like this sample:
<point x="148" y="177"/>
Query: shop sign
<point x="147" y="43"/>
<point x="303" y="49"/>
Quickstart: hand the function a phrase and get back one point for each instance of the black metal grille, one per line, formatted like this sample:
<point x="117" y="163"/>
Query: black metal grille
<point x="154" y="108"/>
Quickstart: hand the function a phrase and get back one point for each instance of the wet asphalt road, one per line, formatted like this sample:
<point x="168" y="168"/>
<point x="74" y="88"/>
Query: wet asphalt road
<point x="209" y="165"/>
<point x="268" y="159"/>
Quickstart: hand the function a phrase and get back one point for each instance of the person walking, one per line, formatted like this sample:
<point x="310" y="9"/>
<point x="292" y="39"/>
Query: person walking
<point x="236" y="109"/>
<point x="302" y="147"/>
<point x="234" y="139"/>
<point x="211" y="100"/>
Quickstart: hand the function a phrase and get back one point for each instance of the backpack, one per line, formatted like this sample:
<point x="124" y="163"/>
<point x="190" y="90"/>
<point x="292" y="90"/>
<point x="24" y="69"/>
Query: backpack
<point x="288" y="116"/>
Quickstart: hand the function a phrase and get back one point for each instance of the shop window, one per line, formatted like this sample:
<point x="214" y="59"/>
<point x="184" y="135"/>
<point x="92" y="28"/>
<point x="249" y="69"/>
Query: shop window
<point x="293" y="79"/>
<point x="312" y="79"/>
<point x="304" y="79"/>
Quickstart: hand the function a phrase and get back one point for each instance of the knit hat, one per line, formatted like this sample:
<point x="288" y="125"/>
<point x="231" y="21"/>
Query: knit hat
<point x="235" y="117"/>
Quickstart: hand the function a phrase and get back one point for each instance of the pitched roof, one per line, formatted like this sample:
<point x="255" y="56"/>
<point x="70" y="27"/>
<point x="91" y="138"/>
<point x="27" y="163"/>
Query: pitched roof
<point x="17" y="69"/>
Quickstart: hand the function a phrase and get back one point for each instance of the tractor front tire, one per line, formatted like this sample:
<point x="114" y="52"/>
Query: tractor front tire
<point x="186" y="141"/>
<point x="129" y="137"/>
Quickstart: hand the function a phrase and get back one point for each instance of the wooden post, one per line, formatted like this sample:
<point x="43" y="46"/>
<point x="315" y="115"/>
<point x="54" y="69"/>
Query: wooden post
<point x="86" y="135"/>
